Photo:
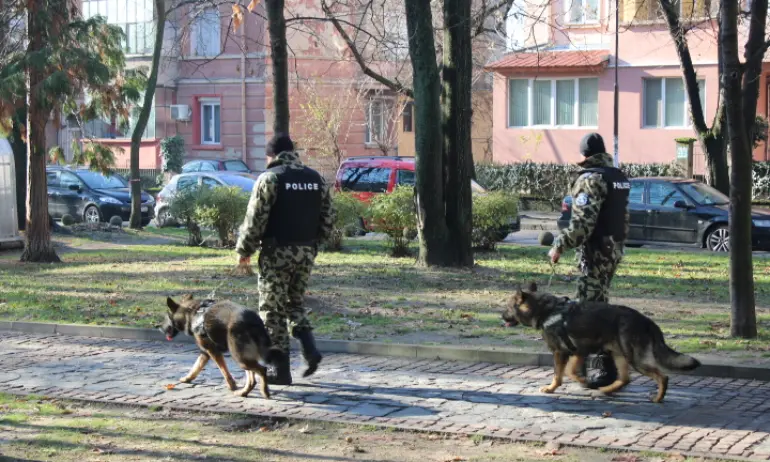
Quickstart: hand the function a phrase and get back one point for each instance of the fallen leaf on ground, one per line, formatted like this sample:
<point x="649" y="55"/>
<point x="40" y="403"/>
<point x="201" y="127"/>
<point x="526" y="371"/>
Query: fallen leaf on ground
<point x="349" y="439"/>
<point x="304" y="429"/>
<point x="606" y="414"/>
<point x="264" y="429"/>
<point x="358" y="449"/>
<point x="455" y="459"/>
<point x="626" y="458"/>
<point x="170" y="386"/>
<point x="551" y="452"/>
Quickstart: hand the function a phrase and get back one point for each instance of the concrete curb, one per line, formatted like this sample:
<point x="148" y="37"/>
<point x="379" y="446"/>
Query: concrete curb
<point x="709" y="368"/>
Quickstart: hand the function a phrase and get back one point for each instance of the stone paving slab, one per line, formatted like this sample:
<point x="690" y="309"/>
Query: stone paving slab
<point x="701" y="416"/>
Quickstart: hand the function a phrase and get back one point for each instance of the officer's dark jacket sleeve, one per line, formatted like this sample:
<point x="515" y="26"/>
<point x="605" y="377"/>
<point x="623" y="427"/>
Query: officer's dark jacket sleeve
<point x="326" y="223"/>
<point x="263" y="197"/>
<point x="591" y="186"/>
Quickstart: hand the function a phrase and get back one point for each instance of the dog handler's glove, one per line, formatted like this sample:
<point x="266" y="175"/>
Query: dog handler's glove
<point x="554" y="255"/>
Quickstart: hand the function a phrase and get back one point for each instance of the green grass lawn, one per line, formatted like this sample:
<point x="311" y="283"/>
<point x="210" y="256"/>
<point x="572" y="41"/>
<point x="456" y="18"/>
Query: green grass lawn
<point x="361" y="294"/>
<point x="36" y="428"/>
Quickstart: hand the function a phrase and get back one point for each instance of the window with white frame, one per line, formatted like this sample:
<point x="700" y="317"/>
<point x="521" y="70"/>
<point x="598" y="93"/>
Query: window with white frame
<point x="206" y="38"/>
<point x="553" y="102"/>
<point x="135" y="17"/>
<point x="379" y="114"/>
<point x="582" y="11"/>
<point x="665" y="102"/>
<point x="210" y="121"/>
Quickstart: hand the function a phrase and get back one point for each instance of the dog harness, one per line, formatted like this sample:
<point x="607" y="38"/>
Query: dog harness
<point x="556" y="325"/>
<point x="197" y="325"/>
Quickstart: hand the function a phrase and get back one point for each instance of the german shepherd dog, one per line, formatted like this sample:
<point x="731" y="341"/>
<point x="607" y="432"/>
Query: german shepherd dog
<point x="220" y="327"/>
<point x="574" y="330"/>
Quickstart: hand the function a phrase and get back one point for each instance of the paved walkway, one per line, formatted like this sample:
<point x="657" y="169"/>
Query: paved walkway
<point x="715" y="416"/>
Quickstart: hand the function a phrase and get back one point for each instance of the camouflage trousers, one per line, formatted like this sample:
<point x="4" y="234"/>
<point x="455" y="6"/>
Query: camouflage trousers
<point x="597" y="268"/>
<point x="283" y="278"/>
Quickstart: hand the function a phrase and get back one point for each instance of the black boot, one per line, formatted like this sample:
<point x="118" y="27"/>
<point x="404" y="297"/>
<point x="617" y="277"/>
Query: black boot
<point x="309" y="352"/>
<point x="279" y="373"/>
<point x="606" y="374"/>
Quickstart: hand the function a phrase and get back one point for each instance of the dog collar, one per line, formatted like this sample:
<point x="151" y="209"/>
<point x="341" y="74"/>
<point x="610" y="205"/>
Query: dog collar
<point x="197" y="325"/>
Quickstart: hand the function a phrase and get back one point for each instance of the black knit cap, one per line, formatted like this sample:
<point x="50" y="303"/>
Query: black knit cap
<point x="591" y="144"/>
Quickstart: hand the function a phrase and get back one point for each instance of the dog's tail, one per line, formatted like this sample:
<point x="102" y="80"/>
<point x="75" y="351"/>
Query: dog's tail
<point x="669" y="358"/>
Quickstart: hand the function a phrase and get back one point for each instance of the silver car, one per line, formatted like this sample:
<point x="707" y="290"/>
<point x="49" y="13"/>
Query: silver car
<point x="244" y="181"/>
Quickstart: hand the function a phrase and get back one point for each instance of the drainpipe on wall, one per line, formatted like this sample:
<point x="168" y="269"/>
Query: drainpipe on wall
<point x="244" y="156"/>
<point x="617" y="95"/>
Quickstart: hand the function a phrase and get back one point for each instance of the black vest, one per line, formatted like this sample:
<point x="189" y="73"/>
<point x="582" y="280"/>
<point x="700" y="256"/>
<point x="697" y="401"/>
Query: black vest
<point x="295" y="217"/>
<point x="612" y="216"/>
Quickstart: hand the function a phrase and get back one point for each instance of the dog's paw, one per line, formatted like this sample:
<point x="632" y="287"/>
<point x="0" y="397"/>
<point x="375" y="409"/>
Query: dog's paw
<point x="232" y="386"/>
<point x="186" y="379"/>
<point x="548" y="390"/>
<point x="242" y="393"/>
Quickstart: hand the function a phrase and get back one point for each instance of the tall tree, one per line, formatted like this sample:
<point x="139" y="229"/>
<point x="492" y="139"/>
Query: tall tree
<point x="741" y="82"/>
<point x="135" y="221"/>
<point x="429" y="162"/>
<point x="457" y="75"/>
<point x="279" y="56"/>
<point x="712" y="138"/>
<point x="65" y="57"/>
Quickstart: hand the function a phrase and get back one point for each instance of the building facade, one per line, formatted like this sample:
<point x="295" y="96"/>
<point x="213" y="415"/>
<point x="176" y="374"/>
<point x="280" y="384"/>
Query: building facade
<point x="559" y="85"/>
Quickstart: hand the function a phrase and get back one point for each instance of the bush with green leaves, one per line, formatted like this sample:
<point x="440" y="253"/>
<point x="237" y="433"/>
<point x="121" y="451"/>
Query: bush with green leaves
<point x="394" y="215"/>
<point x="172" y="149"/>
<point x="492" y="212"/>
<point x="222" y="208"/>
<point x="182" y="207"/>
<point x="347" y="211"/>
<point x="67" y="220"/>
<point x="116" y="221"/>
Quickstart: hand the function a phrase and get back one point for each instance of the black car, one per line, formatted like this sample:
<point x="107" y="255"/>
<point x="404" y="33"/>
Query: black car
<point x="216" y="165"/>
<point x="92" y="197"/>
<point x="681" y="211"/>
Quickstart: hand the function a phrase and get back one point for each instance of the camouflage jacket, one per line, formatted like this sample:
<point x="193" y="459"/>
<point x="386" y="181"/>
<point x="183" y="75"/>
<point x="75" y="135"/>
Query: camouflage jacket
<point x="584" y="215"/>
<point x="263" y="197"/>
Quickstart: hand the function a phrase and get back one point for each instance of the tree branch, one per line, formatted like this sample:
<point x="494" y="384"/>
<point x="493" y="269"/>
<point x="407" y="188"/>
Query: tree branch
<point x="393" y="85"/>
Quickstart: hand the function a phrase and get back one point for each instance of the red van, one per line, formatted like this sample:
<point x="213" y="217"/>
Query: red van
<point x="367" y="176"/>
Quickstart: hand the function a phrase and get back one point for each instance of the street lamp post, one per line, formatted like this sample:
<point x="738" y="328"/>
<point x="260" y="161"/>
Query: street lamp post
<point x="615" y="133"/>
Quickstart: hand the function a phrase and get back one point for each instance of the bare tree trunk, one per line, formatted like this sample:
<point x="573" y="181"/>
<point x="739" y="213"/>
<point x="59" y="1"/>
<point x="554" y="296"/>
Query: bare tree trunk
<point x="135" y="222"/>
<point x="457" y="111"/>
<point x="37" y="246"/>
<point x="434" y="235"/>
<point x="743" y="316"/>
<point x="711" y="139"/>
<point x="280" y="58"/>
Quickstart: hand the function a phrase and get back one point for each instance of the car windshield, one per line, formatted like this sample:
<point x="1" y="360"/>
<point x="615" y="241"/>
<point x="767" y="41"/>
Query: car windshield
<point x="704" y="194"/>
<point x="245" y="183"/>
<point x="96" y="180"/>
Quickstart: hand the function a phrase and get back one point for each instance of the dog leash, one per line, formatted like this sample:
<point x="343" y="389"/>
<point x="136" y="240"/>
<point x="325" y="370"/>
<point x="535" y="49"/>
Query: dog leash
<point x="553" y="272"/>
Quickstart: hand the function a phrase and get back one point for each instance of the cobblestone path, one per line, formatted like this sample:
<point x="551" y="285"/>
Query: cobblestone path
<point x="700" y="416"/>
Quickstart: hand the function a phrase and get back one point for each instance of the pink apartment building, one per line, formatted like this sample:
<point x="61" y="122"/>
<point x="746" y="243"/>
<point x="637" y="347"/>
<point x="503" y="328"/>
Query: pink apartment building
<point x="215" y="89"/>
<point x="546" y="100"/>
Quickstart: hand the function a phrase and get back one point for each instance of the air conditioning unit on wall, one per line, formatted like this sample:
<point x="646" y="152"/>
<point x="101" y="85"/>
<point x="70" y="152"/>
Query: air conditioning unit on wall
<point x="180" y="112"/>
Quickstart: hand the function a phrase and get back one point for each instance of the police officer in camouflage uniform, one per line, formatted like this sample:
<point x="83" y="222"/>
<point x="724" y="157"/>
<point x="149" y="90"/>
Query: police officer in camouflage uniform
<point x="598" y="230"/>
<point x="289" y="214"/>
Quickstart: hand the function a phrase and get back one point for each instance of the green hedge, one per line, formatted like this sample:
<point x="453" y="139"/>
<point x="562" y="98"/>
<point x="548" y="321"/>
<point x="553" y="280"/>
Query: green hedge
<point x="542" y="186"/>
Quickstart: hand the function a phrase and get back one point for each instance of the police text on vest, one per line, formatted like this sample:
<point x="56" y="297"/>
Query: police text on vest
<point x="621" y="185"/>
<point x="302" y="186"/>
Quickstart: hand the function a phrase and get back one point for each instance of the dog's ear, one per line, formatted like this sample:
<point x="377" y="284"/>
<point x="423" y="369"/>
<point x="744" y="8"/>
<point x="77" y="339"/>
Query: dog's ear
<point x="532" y="287"/>
<point x="172" y="305"/>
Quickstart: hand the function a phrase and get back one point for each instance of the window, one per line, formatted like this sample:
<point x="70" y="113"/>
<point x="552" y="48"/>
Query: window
<point x="405" y="177"/>
<point x="114" y="128"/>
<point x="208" y="167"/>
<point x="636" y="195"/>
<point x="236" y="166"/>
<point x="582" y="11"/>
<point x="96" y="180"/>
<point x="408" y="112"/>
<point x="562" y="102"/>
<point x="187" y="182"/>
<point x="665" y="102"/>
<point x="705" y="194"/>
<point x="206" y="38"/>
<point x="194" y="166"/>
<point x="210" y="182"/>
<point x="135" y="17"/>
<point x="52" y="178"/>
<point x="378" y="117"/>
<point x="210" y="121"/>
<point x="67" y="179"/>
<point x="366" y="179"/>
<point x="664" y="195"/>
<point x="650" y="10"/>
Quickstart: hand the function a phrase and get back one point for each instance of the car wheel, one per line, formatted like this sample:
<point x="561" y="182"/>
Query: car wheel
<point x="92" y="214"/>
<point x="161" y="220"/>
<point x="718" y="239"/>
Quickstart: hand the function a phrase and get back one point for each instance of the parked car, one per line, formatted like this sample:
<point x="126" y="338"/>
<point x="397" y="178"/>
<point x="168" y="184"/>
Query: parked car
<point x="216" y="165"/>
<point x="681" y="211"/>
<point x="185" y="180"/>
<point x="91" y="196"/>
<point x="367" y="176"/>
